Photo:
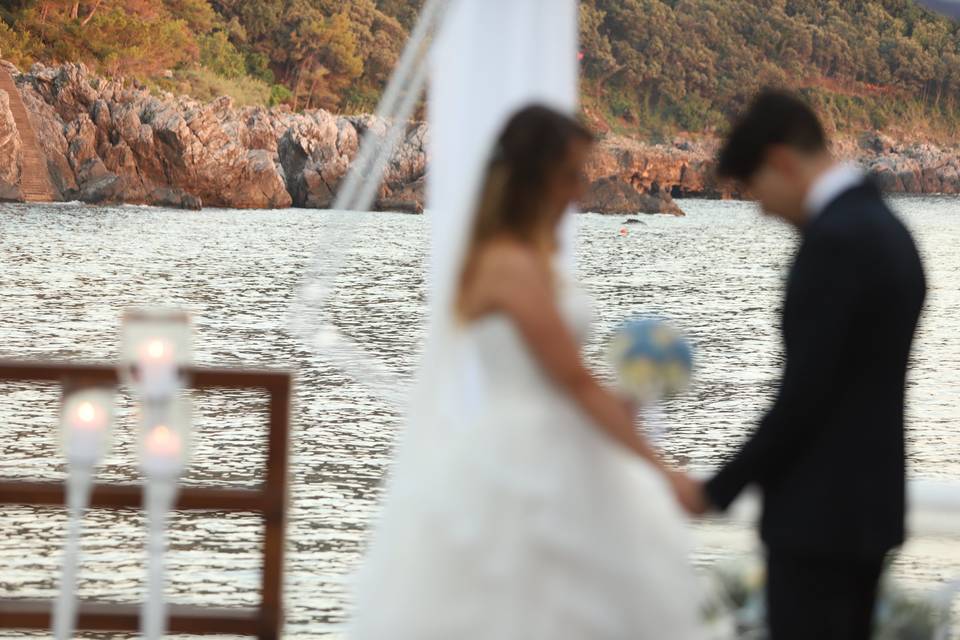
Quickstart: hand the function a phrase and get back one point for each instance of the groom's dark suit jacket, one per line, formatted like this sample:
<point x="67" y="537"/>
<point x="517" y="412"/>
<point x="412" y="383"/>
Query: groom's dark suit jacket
<point x="829" y="456"/>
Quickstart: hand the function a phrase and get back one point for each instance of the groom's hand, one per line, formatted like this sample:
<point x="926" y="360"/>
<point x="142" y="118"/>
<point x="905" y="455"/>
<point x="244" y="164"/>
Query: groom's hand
<point x="689" y="493"/>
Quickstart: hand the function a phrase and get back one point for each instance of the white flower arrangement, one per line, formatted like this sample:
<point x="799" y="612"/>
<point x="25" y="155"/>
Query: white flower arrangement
<point x="735" y="606"/>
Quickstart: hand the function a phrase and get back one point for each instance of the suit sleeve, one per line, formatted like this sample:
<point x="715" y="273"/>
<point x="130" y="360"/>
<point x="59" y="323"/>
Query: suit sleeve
<point x="824" y="298"/>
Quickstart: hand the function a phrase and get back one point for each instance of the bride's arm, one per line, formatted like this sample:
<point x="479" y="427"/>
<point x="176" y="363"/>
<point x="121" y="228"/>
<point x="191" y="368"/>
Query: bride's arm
<point x="519" y="287"/>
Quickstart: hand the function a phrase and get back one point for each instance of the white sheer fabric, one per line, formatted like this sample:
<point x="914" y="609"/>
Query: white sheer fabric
<point x="490" y="58"/>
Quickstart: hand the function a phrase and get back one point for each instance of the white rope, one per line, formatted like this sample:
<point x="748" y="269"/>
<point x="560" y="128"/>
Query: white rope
<point x="360" y="364"/>
<point x="412" y="58"/>
<point x="309" y="318"/>
<point x="397" y="129"/>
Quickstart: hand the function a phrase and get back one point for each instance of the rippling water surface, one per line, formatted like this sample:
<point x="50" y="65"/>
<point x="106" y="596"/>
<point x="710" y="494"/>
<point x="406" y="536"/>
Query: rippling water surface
<point x="67" y="272"/>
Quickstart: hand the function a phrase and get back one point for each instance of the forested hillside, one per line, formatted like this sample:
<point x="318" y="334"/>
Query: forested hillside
<point x="687" y="63"/>
<point x="650" y="66"/>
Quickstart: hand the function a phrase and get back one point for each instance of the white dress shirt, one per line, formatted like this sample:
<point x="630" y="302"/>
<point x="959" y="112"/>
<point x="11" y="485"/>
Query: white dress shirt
<point x="830" y="185"/>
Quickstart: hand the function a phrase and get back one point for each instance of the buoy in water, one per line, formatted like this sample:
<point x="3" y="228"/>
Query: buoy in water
<point x="624" y="232"/>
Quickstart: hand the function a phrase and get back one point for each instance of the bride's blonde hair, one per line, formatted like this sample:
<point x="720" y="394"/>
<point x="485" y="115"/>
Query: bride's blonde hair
<point x="531" y="147"/>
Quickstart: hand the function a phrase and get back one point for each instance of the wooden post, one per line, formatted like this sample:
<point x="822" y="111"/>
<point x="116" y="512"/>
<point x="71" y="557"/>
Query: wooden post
<point x="269" y="501"/>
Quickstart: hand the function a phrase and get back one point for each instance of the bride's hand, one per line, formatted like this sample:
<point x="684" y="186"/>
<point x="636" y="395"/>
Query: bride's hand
<point x="688" y="492"/>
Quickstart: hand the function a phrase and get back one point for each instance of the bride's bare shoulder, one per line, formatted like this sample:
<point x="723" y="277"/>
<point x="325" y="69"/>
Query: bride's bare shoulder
<point x="510" y="259"/>
<point x="505" y="276"/>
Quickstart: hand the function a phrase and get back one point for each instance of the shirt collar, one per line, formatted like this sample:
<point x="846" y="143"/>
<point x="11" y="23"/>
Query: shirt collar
<point x="830" y="185"/>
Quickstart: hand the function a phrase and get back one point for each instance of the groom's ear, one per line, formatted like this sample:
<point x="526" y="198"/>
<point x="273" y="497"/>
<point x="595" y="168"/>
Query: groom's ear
<point x="781" y="158"/>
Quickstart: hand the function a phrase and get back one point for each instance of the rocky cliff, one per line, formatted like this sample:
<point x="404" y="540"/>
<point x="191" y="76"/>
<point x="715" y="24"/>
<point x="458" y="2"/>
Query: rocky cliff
<point x="108" y="142"/>
<point x="11" y="152"/>
<point x="905" y="167"/>
<point x="686" y="167"/>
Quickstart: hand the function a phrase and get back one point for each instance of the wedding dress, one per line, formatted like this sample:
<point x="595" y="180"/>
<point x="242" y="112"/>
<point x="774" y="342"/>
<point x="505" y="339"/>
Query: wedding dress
<point x="523" y="521"/>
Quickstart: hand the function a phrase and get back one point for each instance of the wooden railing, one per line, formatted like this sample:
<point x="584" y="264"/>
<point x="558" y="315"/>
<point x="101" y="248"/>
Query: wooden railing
<point x="268" y="500"/>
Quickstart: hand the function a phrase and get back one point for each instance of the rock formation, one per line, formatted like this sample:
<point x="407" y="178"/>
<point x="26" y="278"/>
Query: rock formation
<point x="617" y="196"/>
<point x="682" y="169"/>
<point x="109" y="142"/>
<point x="907" y="168"/>
<point x="11" y="153"/>
<point x="686" y="168"/>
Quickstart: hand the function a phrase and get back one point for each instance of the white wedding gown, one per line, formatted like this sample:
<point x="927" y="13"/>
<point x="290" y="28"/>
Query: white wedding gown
<point x="526" y="522"/>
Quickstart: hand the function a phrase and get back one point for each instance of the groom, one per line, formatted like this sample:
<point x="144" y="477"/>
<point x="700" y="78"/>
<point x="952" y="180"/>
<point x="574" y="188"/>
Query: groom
<point x="829" y="455"/>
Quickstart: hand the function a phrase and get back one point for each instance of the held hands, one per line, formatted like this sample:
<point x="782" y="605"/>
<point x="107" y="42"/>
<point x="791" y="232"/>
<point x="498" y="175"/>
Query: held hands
<point x="689" y="493"/>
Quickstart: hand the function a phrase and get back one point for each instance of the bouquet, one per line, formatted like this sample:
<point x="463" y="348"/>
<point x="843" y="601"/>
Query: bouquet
<point x="652" y="360"/>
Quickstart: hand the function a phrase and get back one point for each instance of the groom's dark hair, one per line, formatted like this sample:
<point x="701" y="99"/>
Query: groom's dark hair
<point x="774" y="117"/>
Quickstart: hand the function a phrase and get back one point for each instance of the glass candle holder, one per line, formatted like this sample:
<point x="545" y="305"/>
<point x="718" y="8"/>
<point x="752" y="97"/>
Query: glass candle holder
<point x="165" y="438"/>
<point x="156" y="348"/>
<point x="86" y="424"/>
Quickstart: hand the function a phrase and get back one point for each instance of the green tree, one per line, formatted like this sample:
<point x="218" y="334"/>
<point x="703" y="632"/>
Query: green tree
<point x="651" y="65"/>
<point x="218" y="54"/>
<point x="198" y="14"/>
<point x="323" y="57"/>
<point x="406" y="11"/>
<point x="19" y="47"/>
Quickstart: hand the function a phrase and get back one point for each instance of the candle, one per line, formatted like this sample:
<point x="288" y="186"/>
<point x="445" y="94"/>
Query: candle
<point x="85" y="423"/>
<point x="164" y="451"/>
<point x="163" y="442"/>
<point x="87" y="417"/>
<point x="155" y="348"/>
<point x="157" y="367"/>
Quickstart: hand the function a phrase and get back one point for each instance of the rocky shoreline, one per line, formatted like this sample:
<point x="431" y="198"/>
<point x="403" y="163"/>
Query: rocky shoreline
<point x="107" y="143"/>
<point x="628" y="171"/>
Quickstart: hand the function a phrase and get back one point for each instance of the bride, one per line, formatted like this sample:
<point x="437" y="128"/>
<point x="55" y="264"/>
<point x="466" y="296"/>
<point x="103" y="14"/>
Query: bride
<point x="541" y="513"/>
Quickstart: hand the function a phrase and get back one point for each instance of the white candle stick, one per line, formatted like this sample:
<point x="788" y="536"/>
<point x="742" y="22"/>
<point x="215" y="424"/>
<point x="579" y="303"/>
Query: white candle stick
<point x="163" y="456"/>
<point x="85" y="424"/>
<point x="156" y="346"/>
<point x="162" y="464"/>
<point x="79" y="484"/>
<point x="159" y="498"/>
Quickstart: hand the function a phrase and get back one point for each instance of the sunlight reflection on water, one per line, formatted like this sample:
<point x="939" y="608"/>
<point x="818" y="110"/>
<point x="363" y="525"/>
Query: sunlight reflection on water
<point x="67" y="272"/>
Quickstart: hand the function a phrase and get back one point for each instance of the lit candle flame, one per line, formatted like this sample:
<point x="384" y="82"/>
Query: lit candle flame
<point x="88" y="415"/>
<point x="157" y="349"/>
<point x="163" y="441"/>
<point x="86" y="412"/>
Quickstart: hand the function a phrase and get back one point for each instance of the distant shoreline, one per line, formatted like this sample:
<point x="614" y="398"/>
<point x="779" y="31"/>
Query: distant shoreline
<point x="105" y="143"/>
